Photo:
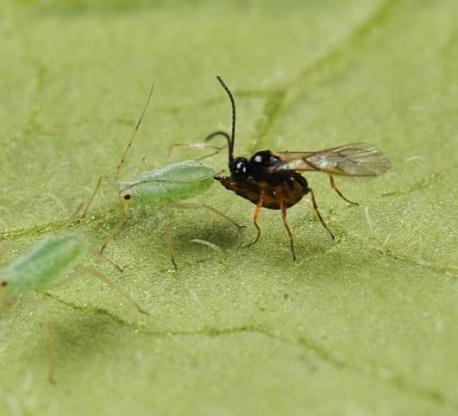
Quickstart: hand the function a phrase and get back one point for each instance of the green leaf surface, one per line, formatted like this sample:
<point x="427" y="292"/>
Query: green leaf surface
<point x="365" y="325"/>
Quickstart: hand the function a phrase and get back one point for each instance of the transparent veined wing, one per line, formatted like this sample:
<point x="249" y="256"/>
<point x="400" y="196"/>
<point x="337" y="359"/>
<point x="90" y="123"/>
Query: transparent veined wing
<point x="355" y="159"/>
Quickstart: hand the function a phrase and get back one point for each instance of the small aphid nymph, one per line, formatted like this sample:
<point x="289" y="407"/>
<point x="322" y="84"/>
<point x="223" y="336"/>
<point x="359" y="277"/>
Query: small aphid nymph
<point x="44" y="262"/>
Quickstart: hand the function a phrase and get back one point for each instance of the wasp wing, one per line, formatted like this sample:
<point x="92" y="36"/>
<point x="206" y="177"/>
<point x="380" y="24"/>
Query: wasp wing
<point x="355" y="159"/>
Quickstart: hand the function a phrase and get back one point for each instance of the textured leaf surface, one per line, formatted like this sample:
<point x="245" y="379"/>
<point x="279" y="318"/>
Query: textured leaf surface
<point x="364" y="325"/>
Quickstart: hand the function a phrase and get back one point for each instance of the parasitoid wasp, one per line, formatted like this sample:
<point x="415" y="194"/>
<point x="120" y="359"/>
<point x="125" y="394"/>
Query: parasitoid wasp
<point x="273" y="180"/>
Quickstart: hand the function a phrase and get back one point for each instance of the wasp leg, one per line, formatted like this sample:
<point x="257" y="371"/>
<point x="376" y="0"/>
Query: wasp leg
<point x="212" y="209"/>
<point x="284" y="211"/>
<point x="315" y="208"/>
<point x="257" y="213"/>
<point x="334" y="186"/>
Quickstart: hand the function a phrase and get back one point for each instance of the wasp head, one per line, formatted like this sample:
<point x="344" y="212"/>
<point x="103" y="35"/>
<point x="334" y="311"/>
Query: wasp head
<point x="239" y="169"/>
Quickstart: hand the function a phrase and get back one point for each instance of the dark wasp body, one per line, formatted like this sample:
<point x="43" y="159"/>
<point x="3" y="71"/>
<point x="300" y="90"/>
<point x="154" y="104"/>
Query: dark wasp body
<point x="250" y="180"/>
<point x="272" y="179"/>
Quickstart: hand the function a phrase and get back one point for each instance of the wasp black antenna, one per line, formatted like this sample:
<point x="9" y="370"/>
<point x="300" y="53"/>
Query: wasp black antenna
<point x="231" y="139"/>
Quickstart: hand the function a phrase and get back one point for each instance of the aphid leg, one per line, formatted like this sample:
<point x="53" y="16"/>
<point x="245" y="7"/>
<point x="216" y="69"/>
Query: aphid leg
<point x="78" y="210"/>
<point x="257" y="213"/>
<point x="334" y="186"/>
<point x="119" y="268"/>
<point x="317" y="211"/>
<point x="115" y="231"/>
<point x="50" y="348"/>
<point x="114" y="286"/>
<point x="199" y="146"/>
<point x="93" y="195"/>
<point x="6" y="304"/>
<point x="288" y="230"/>
<point x="169" y="240"/>
<point x="212" y="209"/>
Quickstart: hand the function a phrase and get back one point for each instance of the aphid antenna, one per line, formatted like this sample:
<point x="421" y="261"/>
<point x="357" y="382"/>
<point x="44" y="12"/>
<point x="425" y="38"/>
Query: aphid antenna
<point x="230" y="139"/>
<point x="128" y="185"/>
<point x="134" y="133"/>
<point x="199" y="146"/>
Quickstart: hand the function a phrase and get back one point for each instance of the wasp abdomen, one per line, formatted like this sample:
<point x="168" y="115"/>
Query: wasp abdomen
<point x="274" y="190"/>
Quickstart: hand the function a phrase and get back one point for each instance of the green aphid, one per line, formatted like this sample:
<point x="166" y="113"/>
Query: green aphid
<point x="169" y="185"/>
<point x="44" y="263"/>
<point x="162" y="188"/>
<point x="49" y="259"/>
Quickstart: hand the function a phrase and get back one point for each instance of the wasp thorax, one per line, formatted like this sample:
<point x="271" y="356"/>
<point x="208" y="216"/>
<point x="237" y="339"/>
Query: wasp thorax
<point x="263" y="158"/>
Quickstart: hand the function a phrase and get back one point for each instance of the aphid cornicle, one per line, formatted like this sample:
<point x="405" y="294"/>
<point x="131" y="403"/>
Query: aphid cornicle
<point x="163" y="188"/>
<point x="44" y="263"/>
<point x="273" y="180"/>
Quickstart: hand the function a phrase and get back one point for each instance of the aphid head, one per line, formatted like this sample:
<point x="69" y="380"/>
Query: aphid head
<point x="239" y="168"/>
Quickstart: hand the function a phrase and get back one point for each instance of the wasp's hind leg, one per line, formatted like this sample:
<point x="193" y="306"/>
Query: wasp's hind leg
<point x="334" y="186"/>
<point x="284" y="211"/>
<point x="317" y="211"/>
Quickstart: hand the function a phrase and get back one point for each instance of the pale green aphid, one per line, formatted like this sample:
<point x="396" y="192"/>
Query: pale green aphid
<point x="164" y="187"/>
<point x="43" y="263"/>
<point x="49" y="259"/>
<point x="171" y="184"/>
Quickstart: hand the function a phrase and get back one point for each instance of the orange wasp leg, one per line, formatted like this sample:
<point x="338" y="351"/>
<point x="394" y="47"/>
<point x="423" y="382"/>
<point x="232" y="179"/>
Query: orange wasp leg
<point x="257" y="213"/>
<point x="334" y="186"/>
<point x="284" y="211"/>
<point x="317" y="211"/>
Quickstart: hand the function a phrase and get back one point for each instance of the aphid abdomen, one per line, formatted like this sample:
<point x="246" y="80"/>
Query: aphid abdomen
<point x="170" y="184"/>
<point x="44" y="262"/>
